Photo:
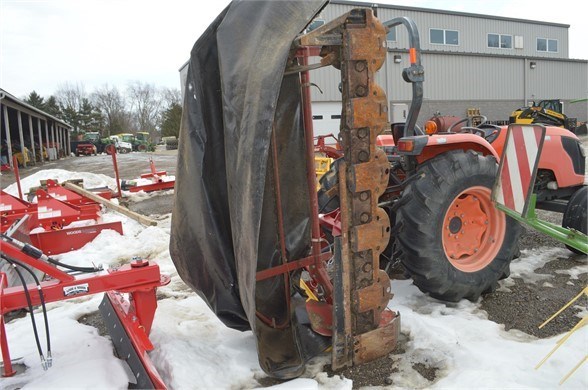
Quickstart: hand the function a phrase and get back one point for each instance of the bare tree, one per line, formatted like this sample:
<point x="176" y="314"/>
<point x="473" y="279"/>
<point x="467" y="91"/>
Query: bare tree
<point x="112" y="104"/>
<point x="171" y="97"/>
<point x="70" y="95"/>
<point x="70" y="98"/>
<point x="145" y="102"/>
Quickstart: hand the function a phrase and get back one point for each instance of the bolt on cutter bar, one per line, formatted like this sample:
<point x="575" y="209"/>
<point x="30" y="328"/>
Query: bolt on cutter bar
<point x="361" y="327"/>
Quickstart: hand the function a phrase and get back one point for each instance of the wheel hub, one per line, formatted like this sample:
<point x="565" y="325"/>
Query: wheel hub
<point x="455" y="225"/>
<point x="470" y="228"/>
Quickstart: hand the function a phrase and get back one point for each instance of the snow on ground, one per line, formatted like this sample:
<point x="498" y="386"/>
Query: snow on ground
<point x="91" y="180"/>
<point x="195" y="350"/>
<point x="472" y="352"/>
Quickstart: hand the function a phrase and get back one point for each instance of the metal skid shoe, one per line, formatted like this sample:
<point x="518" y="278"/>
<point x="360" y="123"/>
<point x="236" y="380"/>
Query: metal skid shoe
<point x="363" y="328"/>
<point x="130" y="340"/>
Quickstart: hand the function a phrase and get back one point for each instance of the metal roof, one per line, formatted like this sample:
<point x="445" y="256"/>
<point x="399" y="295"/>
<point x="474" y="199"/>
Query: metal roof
<point x="445" y="12"/>
<point x="16" y="101"/>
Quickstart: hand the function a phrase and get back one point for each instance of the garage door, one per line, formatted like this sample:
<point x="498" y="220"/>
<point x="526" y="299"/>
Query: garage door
<point x="326" y="117"/>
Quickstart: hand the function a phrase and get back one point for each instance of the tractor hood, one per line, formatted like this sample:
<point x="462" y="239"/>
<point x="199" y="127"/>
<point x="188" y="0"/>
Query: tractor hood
<point x="224" y="222"/>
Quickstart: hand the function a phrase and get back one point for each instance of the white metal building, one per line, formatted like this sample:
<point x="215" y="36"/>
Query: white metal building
<point x="491" y="63"/>
<point x="33" y="133"/>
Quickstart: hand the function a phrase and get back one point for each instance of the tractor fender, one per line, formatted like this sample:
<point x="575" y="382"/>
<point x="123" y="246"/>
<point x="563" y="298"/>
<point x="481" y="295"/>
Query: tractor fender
<point x="561" y="155"/>
<point x="441" y="143"/>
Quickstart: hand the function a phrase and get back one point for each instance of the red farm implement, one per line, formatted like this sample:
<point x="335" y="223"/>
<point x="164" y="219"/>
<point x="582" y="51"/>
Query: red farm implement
<point x="55" y="222"/>
<point x="54" y="217"/>
<point x="159" y="181"/>
<point x="128" y="306"/>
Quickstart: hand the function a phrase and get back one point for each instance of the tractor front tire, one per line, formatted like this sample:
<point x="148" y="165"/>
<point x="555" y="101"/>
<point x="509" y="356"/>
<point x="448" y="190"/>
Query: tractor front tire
<point x="456" y="244"/>
<point x="575" y="216"/>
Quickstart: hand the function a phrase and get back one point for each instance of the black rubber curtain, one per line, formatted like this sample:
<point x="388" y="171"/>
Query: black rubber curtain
<point x="224" y="222"/>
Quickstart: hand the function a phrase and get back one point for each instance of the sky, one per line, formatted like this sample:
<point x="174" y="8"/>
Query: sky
<point x="193" y="349"/>
<point x="46" y="43"/>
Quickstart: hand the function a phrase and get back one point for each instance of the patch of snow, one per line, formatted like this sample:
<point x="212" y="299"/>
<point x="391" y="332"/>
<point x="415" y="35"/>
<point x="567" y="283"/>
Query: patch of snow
<point x="81" y="358"/>
<point x="574" y="272"/>
<point x="582" y="311"/>
<point x="91" y="180"/>
<point x="531" y="259"/>
<point x="142" y="195"/>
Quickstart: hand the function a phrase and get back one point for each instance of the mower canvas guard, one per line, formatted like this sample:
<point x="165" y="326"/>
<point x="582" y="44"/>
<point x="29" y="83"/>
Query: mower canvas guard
<point x="128" y="306"/>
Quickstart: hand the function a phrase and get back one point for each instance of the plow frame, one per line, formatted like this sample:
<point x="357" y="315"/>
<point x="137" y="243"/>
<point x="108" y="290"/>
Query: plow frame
<point x="129" y="294"/>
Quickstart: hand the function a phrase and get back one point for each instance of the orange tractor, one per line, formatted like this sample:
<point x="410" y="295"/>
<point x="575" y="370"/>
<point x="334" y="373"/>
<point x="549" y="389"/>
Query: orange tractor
<point x="446" y="231"/>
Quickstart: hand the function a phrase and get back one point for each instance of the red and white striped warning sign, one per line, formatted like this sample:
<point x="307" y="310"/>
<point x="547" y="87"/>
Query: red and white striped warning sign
<point x="518" y="166"/>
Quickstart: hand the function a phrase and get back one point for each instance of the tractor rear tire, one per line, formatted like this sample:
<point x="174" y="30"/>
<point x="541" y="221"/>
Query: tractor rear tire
<point x="575" y="216"/>
<point x="456" y="244"/>
<point x="327" y="201"/>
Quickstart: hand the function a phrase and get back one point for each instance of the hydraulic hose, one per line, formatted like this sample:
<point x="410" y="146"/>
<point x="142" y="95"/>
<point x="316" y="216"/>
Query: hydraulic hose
<point x="44" y="363"/>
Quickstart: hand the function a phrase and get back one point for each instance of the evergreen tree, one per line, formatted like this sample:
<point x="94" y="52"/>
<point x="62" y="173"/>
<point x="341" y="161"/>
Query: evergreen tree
<point x="172" y="118"/>
<point x="70" y="115"/>
<point x="89" y="116"/>
<point x="35" y="100"/>
<point x="52" y="108"/>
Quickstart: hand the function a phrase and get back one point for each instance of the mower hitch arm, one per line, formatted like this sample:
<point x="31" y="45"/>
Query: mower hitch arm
<point x="414" y="74"/>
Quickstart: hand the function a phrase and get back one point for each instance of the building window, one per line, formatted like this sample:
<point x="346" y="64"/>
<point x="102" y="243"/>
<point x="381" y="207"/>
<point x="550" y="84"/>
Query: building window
<point x="314" y="25"/>
<point x="391" y="36"/>
<point x="549" y="45"/>
<point x="443" y="37"/>
<point x="500" y="41"/>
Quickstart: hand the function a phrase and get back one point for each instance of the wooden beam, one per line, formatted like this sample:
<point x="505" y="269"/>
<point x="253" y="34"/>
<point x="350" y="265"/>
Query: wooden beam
<point x="8" y="137"/>
<point x="111" y="205"/>
<point x="58" y="136"/>
<point x="34" y="162"/>
<point x="22" y="145"/>
<point x="40" y="139"/>
<point x="53" y="139"/>
<point x="47" y="136"/>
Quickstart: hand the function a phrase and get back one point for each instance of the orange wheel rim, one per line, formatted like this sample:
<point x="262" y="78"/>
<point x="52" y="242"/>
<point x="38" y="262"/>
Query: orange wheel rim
<point x="473" y="230"/>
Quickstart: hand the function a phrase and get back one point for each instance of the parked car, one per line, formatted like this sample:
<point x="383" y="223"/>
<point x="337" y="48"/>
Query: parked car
<point x="86" y="149"/>
<point x="120" y="145"/>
